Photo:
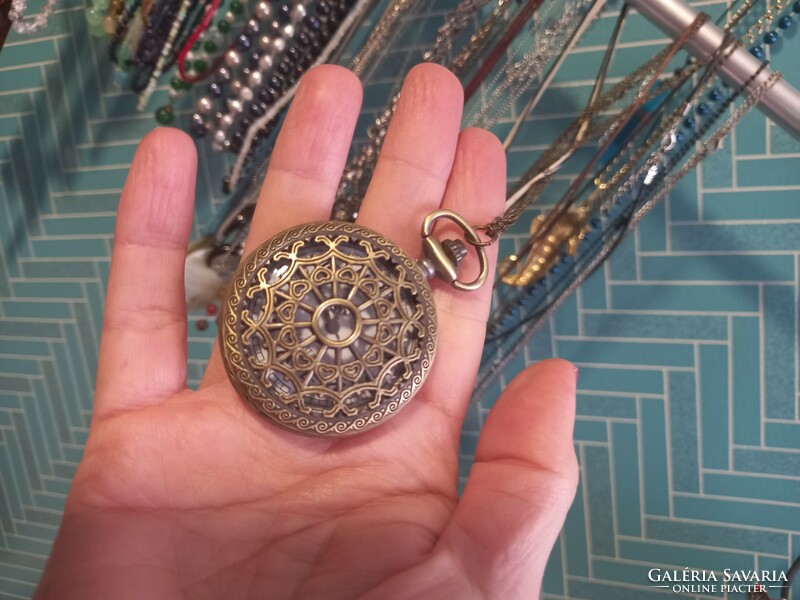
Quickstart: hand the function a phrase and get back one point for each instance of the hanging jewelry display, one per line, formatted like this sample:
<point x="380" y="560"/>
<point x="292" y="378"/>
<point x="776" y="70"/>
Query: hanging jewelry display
<point x="511" y="325"/>
<point x="213" y="259"/>
<point x="542" y="305"/>
<point x="359" y="170"/>
<point x="387" y="28"/>
<point x="305" y="320"/>
<point x="330" y="328"/>
<point x="248" y="65"/>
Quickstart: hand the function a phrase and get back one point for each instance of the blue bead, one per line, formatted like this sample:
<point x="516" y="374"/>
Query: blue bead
<point x="771" y="37"/>
<point x="714" y="95"/>
<point x="680" y="137"/>
<point x="556" y="270"/>
<point x="215" y="89"/>
<point x="796" y="7"/>
<point x="758" y="51"/>
<point x="702" y="108"/>
<point x="785" y="22"/>
<point x="689" y="123"/>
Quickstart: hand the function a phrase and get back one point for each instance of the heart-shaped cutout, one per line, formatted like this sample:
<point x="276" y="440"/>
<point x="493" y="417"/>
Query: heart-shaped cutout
<point x="287" y="311"/>
<point x="384" y="308"/>
<point x="321" y="275"/>
<point x="374" y="357"/>
<point x="385" y="334"/>
<point x="298" y="289"/>
<point x="353" y="370"/>
<point x="370" y="287"/>
<point x="287" y="337"/>
<point x="346" y="275"/>
<point x="326" y="372"/>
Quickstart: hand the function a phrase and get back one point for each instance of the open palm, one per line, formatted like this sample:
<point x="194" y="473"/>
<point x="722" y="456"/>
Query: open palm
<point x="188" y="494"/>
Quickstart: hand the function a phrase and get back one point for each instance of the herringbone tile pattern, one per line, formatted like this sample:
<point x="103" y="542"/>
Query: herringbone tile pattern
<point x="688" y="429"/>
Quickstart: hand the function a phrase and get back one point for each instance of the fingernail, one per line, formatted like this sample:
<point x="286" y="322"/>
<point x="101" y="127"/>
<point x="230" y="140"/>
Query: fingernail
<point x="576" y="374"/>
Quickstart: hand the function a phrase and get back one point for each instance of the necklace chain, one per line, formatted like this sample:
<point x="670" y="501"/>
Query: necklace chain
<point x="358" y="172"/>
<point x="529" y="328"/>
<point x="566" y="143"/>
<point x="519" y="74"/>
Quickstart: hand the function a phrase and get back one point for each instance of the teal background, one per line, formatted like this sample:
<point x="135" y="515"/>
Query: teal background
<point x="688" y="430"/>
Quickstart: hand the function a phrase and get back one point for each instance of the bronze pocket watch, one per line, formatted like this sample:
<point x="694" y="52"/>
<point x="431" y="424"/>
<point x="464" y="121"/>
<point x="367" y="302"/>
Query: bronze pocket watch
<point x="330" y="328"/>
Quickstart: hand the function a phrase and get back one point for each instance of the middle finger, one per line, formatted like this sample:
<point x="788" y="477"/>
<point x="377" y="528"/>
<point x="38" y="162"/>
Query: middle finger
<point x="416" y="158"/>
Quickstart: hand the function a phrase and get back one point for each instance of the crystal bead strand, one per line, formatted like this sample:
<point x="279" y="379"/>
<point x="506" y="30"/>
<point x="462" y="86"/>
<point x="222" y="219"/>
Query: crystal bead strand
<point x="17" y="13"/>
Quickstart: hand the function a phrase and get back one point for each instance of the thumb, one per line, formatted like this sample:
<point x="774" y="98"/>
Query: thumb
<point x="521" y="484"/>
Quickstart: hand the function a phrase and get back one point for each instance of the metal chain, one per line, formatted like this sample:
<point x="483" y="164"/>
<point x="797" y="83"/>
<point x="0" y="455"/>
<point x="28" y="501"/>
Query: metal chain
<point x="708" y="147"/>
<point x="465" y="60"/>
<point x="711" y="144"/>
<point x="380" y="34"/>
<point x="519" y="74"/>
<point x="605" y="187"/>
<point x="644" y="76"/>
<point x="766" y="20"/>
<point x="463" y="14"/>
<point x="357" y="174"/>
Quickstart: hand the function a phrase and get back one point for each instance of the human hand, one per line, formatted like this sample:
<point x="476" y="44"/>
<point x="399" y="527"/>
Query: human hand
<point x="188" y="494"/>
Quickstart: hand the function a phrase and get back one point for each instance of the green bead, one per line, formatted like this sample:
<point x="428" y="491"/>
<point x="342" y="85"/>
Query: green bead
<point x="224" y="26"/>
<point x="200" y="66"/>
<point x="94" y="20"/>
<point x="177" y="84"/>
<point x="196" y="46"/>
<point x="236" y="7"/>
<point x="164" y="115"/>
<point x="210" y="46"/>
<point x="94" y="16"/>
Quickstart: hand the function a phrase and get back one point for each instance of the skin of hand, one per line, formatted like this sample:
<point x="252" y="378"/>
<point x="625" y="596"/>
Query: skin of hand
<point x="189" y="494"/>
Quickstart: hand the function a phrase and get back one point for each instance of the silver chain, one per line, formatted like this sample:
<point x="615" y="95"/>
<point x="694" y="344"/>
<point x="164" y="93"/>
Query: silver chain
<point x="357" y="174"/>
<point x="380" y="34"/>
<point x="547" y="39"/>
<point x="706" y="148"/>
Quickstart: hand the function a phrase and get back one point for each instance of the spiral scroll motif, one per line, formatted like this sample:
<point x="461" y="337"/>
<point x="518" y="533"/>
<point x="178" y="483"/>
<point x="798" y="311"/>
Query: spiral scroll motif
<point x="329" y="329"/>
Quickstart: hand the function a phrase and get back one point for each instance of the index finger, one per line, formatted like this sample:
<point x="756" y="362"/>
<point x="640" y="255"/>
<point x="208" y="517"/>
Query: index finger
<point x="306" y="164"/>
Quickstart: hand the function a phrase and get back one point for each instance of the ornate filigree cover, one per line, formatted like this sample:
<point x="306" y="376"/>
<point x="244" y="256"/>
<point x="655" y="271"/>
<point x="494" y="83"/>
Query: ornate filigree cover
<point x="329" y="329"/>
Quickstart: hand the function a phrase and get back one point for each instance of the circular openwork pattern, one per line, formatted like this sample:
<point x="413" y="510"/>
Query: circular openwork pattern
<point x="329" y="329"/>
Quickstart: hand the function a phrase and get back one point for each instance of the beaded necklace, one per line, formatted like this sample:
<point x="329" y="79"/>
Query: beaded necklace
<point x="249" y="133"/>
<point x="144" y="96"/>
